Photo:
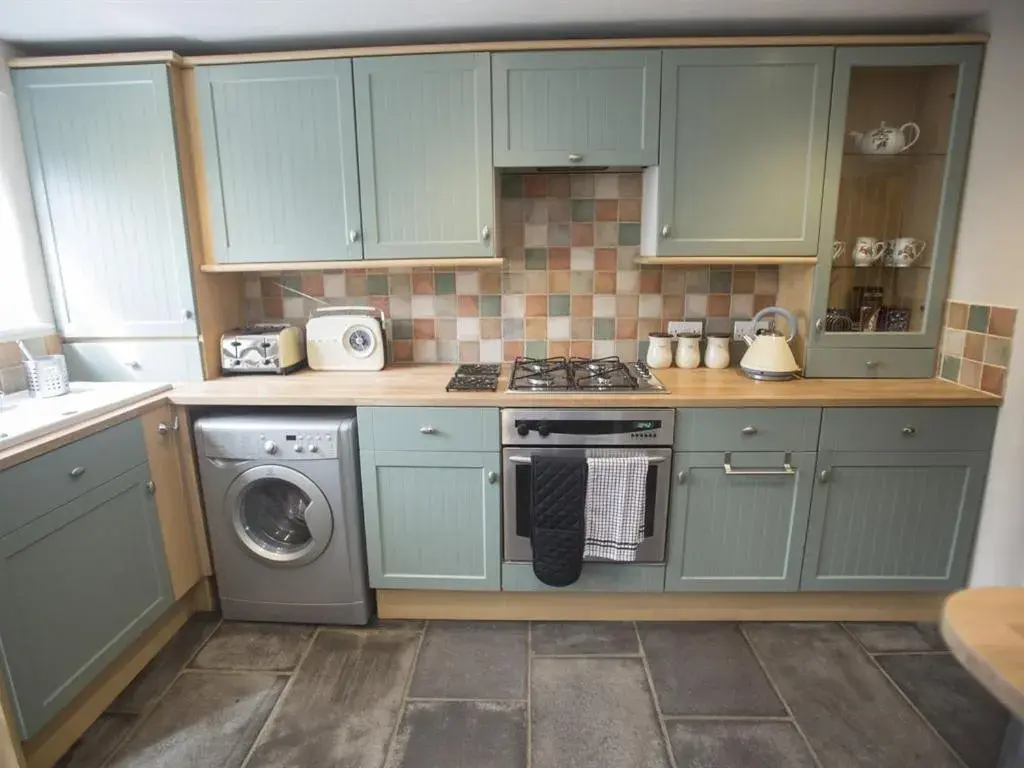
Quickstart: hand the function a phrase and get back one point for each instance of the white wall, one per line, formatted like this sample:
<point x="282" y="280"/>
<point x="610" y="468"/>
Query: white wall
<point x="989" y="269"/>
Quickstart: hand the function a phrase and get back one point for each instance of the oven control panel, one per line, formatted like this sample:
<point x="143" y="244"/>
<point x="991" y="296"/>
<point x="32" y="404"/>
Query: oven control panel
<point x="587" y="426"/>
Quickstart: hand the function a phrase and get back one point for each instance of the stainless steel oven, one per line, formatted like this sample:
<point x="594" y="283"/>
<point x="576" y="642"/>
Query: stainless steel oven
<point x="530" y="433"/>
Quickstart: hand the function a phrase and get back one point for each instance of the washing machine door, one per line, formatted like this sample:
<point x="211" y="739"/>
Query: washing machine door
<point x="279" y="515"/>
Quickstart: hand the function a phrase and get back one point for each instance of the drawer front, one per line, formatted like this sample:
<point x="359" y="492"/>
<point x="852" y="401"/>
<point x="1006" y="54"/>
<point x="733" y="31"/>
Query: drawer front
<point x="908" y="429"/>
<point x="46" y="482"/>
<point x="747" y="429"/>
<point x="429" y="429"/>
<point x="173" y="360"/>
<point x="870" y="363"/>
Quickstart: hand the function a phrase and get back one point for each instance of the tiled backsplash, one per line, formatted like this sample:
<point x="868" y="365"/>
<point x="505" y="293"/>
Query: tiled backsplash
<point x="569" y="284"/>
<point x="976" y="344"/>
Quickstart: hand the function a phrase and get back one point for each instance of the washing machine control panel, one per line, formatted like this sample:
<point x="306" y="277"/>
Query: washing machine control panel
<point x="283" y="445"/>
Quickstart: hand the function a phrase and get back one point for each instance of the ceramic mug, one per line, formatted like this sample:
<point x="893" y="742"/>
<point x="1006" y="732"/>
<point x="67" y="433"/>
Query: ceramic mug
<point x="906" y="250"/>
<point x="838" y="249"/>
<point x="867" y="251"/>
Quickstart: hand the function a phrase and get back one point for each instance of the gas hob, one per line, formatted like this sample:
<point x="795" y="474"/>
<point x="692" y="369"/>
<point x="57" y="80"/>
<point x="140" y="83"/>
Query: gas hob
<point x="577" y="374"/>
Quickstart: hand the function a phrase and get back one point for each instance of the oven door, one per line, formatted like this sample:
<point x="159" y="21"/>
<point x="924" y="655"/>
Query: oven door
<point x="517" y="507"/>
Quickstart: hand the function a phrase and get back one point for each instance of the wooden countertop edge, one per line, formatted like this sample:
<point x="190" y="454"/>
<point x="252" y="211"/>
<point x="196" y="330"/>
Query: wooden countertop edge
<point x="17" y="454"/>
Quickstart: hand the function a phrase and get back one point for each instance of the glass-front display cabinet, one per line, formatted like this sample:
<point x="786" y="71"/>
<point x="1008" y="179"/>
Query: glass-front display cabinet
<point x="899" y="135"/>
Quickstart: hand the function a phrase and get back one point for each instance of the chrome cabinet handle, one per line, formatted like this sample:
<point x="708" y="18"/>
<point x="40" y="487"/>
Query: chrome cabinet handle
<point x="909" y="431"/>
<point x="785" y="469"/>
<point x="353" y="235"/>
<point x="825" y="475"/>
<point x="428" y="430"/>
<point x="751" y="430"/>
<point x="163" y="428"/>
<point x="574" y="158"/>
<point x="666" y="231"/>
<point x="871" y="363"/>
<point x="77" y="472"/>
<point x="681" y="477"/>
<point x="485" y="233"/>
<point x="526" y="460"/>
<point x="150" y="487"/>
<point x="492" y="477"/>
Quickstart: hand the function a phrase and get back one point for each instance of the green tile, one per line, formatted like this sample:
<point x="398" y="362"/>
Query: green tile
<point x="721" y="281"/>
<point x="536" y="258"/>
<point x="582" y="210"/>
<point x="377" y="285"/>
<point x="511" y="185"/>
<point x="558" y="305"/>
<point x="950" y="368"/>
<point x="642" y="348"/>
<point x="291" y="281"/>
<point x="490" y="306"/>
<point x="401" y="329"/>
<point x="629" y="234"/>
<point x="977" y="319"/>
<point x="604" y="328"/>
<point x="444" y="282"/>
<point x="537" y="349"/>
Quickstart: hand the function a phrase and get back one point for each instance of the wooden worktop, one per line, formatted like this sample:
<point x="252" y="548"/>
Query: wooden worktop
<point x="984" y="628"/>
<point x="424" y="385"/>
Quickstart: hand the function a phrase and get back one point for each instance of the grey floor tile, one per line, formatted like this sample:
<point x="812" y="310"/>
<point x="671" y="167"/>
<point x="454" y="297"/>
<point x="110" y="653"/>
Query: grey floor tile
<point x="706" y="669"/>
<point x="593" y="713"/>
<point x="894" y="637"/>
<point x="850" y="714"/>
<point x="583" y="637"/>
<point x="161" y="671"/>
<point x="205" y="719"/>
<point x="461" y="734"/>
<point x="738" y="744"/>
<point x="964" y="713"/>
<point x="343" y="703"/>
<point x="263" y="647"/>
<point x="472" y="660"/>
<point x="99" y="742"/>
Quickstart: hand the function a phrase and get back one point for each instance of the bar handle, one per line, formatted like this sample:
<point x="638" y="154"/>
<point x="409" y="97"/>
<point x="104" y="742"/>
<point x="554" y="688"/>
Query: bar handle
<point x="527" y="460"/>
<point x="785" y="469"/>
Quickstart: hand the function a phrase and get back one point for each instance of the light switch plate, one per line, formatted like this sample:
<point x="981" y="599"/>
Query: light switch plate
<point x="743" y="328"/>
<point x="686" y="327"/>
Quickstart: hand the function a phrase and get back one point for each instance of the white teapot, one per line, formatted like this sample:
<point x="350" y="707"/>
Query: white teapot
<point x="886" y="140"/>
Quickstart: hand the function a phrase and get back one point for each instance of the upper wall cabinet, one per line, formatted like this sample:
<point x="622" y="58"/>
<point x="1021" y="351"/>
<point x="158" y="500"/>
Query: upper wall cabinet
<point x="104" y="170"/>
<point x="279" y="149"/>
<point x="743" y="135"/>
<point x="897" y="156"/>
<point x="425" y="168"/>
<point x="592" y="108"/>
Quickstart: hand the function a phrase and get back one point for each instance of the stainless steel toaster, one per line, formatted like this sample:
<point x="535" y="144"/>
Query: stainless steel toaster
<point x="262" y="348"/>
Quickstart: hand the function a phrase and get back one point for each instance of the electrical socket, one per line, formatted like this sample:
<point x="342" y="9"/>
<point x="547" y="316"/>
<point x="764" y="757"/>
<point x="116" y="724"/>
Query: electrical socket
<point x="685" y="327"/>
<point x="743" y="328"/>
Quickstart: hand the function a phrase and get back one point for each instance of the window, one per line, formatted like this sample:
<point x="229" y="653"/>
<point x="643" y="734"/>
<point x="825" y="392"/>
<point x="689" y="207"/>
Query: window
<point x="24" y="301"/>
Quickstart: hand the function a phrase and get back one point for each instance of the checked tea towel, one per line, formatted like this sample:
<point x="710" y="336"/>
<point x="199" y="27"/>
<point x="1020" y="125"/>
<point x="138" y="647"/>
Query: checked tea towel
<point x="614" y="509"/>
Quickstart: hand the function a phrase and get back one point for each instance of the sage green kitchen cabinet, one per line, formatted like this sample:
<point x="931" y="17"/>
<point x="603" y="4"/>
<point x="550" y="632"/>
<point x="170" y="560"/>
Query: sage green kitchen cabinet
<point x="737" y="521"/>
<point x="576" y="108"/>
<point x="893" y="521"/>
<point x="433" y="519"/>
<point x="279" y="149"/>
<point x="898" y="141"/>
<point x="426" y="176"/>
<point x="81" y="583"/>
<point x="742" y="161"/>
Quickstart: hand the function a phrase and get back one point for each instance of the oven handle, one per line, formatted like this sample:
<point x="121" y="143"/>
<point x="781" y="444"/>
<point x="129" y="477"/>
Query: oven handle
<point x="785" y="469"/>
<point x="526" y="459"/>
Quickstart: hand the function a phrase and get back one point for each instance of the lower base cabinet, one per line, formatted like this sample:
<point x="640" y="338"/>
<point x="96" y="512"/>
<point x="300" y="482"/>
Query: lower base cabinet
<point x="433" y="520"/>
<point x="741" y="527"/>
<point x="900" y="521"/>
<point x="80" y="584"/>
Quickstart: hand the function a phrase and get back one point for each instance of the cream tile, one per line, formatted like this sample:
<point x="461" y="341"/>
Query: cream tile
<point x="424" y="351"/>
<point x="468" y="328"/>
<point x="606" y="234"/>
<point x="628" y="281"/>
<point x="467" y="281"/>
<point x="513" y="305"/>
<point x="627" y="256"/>
<point x="445" y="306"/>
<point x="422" y="306"/>
<point x="252" y="287"/>
<point x="604" y="306"/>
<point x="447" y="351"/>
<point x="334" y="285"/>
<point x="742" y="305"/>
<point x="604" y="348"/>
<point x="559" y="328"/>
<point x="650" y="305"/>
<point x="606" y="186"/>
<point x="490" y="351"/>
<point x="582" y="258"/>
<point x="294" y="308"/>
<point x="536" y="281"/>
<point x="696" y="306"/>
<point x="536" y="235"/>
<point x="953" y="342"/>
<point x="445" y="329"/>
<point x="401" y="307"/>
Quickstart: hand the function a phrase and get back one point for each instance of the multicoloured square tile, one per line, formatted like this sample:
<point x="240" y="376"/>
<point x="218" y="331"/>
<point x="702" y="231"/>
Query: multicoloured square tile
<point x="977" y="341"/>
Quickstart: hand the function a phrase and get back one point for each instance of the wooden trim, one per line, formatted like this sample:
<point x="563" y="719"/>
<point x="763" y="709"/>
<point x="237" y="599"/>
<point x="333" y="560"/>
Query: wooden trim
<point x="95" y="60"/>
<point x="692" y="261"/>
<point x="193" y="496"/>
<point x="603" y="43"/>
<point x="11" y="753"/>
<point x="331" y="266"/>
<point x="582" y="606"/>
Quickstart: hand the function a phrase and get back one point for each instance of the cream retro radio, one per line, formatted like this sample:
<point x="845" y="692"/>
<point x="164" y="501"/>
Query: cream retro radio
<point x="346" y="339"/>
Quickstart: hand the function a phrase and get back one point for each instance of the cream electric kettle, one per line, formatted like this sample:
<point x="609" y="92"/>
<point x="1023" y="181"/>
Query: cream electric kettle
<point x="769" y="357"/>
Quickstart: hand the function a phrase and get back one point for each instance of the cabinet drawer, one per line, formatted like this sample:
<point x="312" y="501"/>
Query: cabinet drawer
<point x="908" y="429"/>
<point x="176" y="360"/>
<point x="428" y="429"/>
<point x="46" y="482"/>
<point x="747" y="429"/>
<point x="870" y="363"/>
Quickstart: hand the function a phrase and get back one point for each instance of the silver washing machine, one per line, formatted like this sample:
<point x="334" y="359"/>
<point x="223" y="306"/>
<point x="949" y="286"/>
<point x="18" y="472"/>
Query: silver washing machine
<point x="283" y="510"/>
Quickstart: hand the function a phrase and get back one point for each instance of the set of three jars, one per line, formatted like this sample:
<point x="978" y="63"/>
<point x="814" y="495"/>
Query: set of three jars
<point x="687" y="353"/>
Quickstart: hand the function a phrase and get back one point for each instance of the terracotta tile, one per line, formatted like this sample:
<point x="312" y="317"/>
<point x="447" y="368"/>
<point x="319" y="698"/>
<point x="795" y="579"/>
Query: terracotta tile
<point x="993" y="379"/>
<point x="512" y="237"/>
<point x="582" y="233"/>
<point x="422" y="281"/>
<point x="605" y="282"/>
<point x="273" y="306"/>
<point x="469" y="306"/>
<point x="313" y="283"/>
<point x="718" y="304"/>
<point x="356" y="272"/>
<point x="650" y="280"/>
<point x="957" y="316"/>
<point x="383" y="303"/>
<point x="743" y="281"/>
<point x="626" y="328"/>
<point x="558" y="185"/>
<point x="607" y="210"/>
<point x="1001" y="320"/>
<point x="490" y="327"/>
<point x="510" y="350"/>
<point x="974" y="346"/>
<point x="582" y="306"/>
<point x="536" y="305"/>
<point x="446" y="329"/>
<point x="535" y="185"/>
<point x="558" y="348"/>
<point x="630" y="185"/>
<point x="490" y="281"/>
<point x="402" y="351"/>
<point x="536" y="328"/>
<point x="761" y="301"/>
<point x="269" y="286"/>
<point x="629" y="210"/>
<point x="970" y="374"/>
<point x="672" y="307"/>
<point x="558" y="258"/>
<point x="469" y="351"/>
<point x="355" y="285"/>
<point x="580" y="348"/>
<point x="582" y="328"/>
<point x="606" y="259"/>
<point x="648" y="325"/>
<point x="559" y="209"/>
<point x="423" y="328"/>
<point x="558" y="282"/>
<point x="627" y="306"/>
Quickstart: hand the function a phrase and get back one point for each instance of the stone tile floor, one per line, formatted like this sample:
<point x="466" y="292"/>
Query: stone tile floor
<point x="549" y="695"/>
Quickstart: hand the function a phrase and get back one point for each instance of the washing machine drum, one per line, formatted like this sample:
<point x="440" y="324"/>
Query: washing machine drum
<point x="279" y="515"/>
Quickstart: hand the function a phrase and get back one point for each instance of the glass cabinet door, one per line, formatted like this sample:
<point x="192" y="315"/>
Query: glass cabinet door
<point x="898" y="141"/>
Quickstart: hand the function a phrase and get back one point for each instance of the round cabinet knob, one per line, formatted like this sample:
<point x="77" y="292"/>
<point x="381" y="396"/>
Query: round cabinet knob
<point x="270" y="447"/>
<point x="353" y="235"/>
<point x="681" y="478"/>
<point x="824" y="475"/>
<point x="871" y="364"/>
<point x="748" y="431"/>
<point x="77" y="472"/>
<point x="492" y="477"/>
<point x="574" y="158"/>
<point x="523" y="430"/>
<point x="162" y="428"/>
<point x="485" y="233"/>
<point x="909" y="431"/>
<point x="666" y="231"/>
<point x="428" y="430"/>
<point x="150" y="487"/>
